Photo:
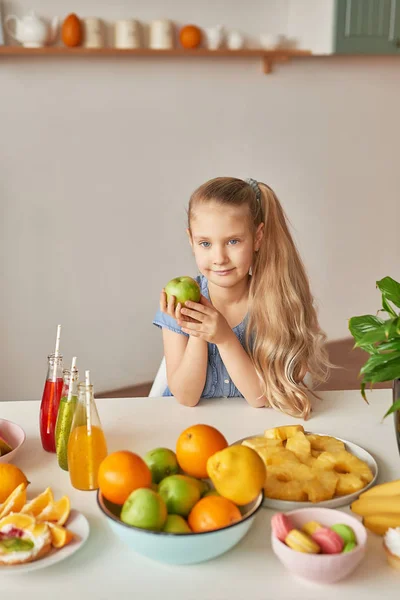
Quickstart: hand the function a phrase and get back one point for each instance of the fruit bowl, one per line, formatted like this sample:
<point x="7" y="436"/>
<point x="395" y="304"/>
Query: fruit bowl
<point x="321" y="568"/>
<point x="14" y="435"/>
<point x="183" y="548"/>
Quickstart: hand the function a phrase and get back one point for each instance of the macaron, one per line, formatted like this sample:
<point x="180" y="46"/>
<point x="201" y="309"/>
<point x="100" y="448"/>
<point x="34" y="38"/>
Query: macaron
<point x="311" y="527"/>
<point x="301" y="542"/>
<point x="281" y="526"/>
<point x="329" y="541"/>
<point x="345" y="532"/>
<point x="349" y="547"/>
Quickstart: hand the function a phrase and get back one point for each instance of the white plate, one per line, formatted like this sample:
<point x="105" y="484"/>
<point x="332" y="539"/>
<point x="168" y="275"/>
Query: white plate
<point x="79" y="525"/>
<point x="285" y="505"/>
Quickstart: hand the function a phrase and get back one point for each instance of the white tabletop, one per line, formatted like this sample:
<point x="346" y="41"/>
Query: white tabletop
<point x="105" y="569"/>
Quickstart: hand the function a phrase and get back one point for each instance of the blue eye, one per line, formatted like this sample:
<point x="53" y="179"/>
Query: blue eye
<point x="233" y="242"/>
<point x="205" y="244"/>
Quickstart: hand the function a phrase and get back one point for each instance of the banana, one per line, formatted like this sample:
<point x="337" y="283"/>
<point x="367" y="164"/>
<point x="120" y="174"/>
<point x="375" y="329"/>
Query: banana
<point x="381" y="523"/>
<point x="376" y="505"/>
<point x="390" y="488"/>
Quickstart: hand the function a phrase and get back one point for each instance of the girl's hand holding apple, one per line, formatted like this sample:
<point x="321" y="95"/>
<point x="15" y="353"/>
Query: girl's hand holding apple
<point x="204" y="321"/>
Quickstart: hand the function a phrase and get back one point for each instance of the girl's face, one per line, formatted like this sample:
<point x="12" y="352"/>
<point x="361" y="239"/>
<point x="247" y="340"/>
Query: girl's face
<point x="223" y="242"/>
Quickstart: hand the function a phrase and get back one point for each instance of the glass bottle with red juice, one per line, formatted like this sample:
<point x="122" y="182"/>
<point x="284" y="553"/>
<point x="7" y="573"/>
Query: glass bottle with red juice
<point x="51" y="401"/>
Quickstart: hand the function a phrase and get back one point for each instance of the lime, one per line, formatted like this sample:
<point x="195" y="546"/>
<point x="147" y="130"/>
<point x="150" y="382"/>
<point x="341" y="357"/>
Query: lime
<point x="176" y="524"/>
<point x="203" y="486"/>
<point x="180" y="493"/>
<point x="211" y="493"/>
<point x="162" y="463"/>
<point x="144" y="508"/>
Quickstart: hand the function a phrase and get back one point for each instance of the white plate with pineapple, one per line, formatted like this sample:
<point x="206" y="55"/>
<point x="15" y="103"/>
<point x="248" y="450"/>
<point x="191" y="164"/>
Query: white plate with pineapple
<point x="307" y="469"/>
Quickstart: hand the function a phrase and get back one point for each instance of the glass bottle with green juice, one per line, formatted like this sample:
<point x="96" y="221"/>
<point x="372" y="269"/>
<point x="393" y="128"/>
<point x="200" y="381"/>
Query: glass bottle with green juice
<point x="68" y="402"/>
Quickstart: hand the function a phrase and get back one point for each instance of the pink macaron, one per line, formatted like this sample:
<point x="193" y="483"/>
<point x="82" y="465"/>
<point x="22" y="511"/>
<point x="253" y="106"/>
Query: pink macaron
<point x="328" y="540"/>
<point x="281" y="526"/>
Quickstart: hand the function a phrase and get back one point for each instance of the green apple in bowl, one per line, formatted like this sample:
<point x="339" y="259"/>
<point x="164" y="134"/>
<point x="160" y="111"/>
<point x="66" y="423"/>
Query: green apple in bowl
<point x="183" y="288"/>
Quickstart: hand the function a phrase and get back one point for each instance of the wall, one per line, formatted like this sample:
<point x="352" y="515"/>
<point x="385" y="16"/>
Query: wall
<point x="98" y="158"/>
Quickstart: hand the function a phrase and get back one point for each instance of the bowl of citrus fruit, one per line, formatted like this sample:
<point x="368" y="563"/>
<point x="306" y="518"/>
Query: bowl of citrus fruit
<point x="186" y="505"/>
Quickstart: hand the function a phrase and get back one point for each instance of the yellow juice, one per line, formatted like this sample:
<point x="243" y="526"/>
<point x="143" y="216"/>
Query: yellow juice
<point x="86" y="450"/>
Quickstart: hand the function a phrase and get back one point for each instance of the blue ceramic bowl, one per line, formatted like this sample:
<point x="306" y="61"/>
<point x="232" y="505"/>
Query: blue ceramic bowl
<point x="183" y="548"/>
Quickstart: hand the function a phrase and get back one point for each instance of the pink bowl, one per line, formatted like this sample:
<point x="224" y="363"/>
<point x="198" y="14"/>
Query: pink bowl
<point x="14" y="435"/>
<point x="321" y="568"/>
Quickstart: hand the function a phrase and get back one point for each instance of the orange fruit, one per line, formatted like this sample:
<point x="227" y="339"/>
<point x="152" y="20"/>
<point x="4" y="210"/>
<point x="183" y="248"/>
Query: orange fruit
<point x="213" y="512"/>
<point x="10" y="478"/>
<point x="39" y="503"/>
<point x="194" y="447"/>
<point x="120" y="473"/>
<point x="58" y="512"/>
<point x="71" y="31"/>
<point x="60" y="536"/>
<point x="190" y="36"/>
<point x="19" y="521"/>
<point x="15" y="501"/>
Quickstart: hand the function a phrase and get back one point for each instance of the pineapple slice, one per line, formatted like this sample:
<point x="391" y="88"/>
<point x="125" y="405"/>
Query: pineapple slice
<point x="283" y="433"/>
<point x="345" y="462"/>
<point x="325" y="443"/>
<point x="300" y="446"/>
<point x="261" y="442"/>
<point x="322" y="486"/>
<point x="348" y="483"/>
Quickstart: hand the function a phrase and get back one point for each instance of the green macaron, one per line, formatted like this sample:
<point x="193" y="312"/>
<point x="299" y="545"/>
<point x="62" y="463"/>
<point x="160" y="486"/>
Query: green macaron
<point x="349" y="547"/>
<point x="346" y="533"/>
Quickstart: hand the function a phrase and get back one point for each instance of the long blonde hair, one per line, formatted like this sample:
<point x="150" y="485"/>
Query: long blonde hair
<point x="283" y="337"/>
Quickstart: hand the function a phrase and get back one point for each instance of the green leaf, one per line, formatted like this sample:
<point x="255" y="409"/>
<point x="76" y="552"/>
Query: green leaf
<point x="387" y="308"/>
<point x="377" y="361"/>
<point x="359" y="326"/>
<point x="389" y="371"/>
<point x="393" y="408"/>
<point x="390" y="290"/>
<point x="363" y="392"/>
<point x="388" y="346"/>
<point x="383" y="333"/>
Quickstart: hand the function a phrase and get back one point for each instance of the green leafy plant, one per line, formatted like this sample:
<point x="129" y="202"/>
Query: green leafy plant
<point x="381" y="339"/>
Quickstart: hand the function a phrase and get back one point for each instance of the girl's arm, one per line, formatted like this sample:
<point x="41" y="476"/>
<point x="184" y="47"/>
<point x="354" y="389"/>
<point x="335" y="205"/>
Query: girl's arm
<point x="185" y="357"/>
<point x="242" y="371"/>
<point x="209" y="325"/>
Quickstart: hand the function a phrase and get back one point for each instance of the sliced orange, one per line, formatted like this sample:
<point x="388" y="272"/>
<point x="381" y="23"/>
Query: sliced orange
<point x="39" y="503"/>
<point x="57" y="512"/>
<point x="19" y="521"/>
<point x="15" y="501"/>
<point x="60" y="536"/>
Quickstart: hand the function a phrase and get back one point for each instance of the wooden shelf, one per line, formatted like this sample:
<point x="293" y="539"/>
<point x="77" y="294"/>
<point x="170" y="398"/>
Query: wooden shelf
<point x="267" y="57"/>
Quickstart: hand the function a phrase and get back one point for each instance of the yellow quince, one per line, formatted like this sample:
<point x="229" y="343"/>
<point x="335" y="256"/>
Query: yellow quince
<point x="238" y="473"/>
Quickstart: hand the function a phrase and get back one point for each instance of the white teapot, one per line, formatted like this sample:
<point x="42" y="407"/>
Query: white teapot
<point x="31" y="31"/>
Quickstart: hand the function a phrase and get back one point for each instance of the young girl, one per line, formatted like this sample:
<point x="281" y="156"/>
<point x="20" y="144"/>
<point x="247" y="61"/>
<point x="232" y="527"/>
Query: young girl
<point x="255" y="331"/>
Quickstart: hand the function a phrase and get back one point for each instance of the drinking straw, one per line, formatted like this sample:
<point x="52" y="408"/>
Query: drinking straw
<point x="88" y="416"/>
<point x="56" y="353"/>
<point x="70" y="381"/>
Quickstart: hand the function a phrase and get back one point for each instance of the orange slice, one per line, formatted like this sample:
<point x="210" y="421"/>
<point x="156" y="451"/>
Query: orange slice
<point x="60" y="536"/>
<point x="38" y="504"/>
<point x="19" y="521"/>
<point x="57" y="512"/>
<point x="15" y="501"/>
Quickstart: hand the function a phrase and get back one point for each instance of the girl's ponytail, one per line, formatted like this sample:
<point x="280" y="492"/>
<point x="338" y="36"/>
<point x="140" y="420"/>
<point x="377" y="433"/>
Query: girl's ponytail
<point x="283" y="335"/>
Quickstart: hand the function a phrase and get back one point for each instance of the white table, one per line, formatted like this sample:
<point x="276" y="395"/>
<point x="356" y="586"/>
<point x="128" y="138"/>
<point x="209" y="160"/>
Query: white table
<point x="105" y="569"/>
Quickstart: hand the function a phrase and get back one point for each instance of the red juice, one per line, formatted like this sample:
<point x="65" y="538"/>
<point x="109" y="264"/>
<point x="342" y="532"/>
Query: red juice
<point x="50" y="403"/>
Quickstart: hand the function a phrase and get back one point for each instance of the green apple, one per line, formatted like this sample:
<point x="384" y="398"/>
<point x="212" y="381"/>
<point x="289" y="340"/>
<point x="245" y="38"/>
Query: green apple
<point x="144" y="508"/>
<point x="180" y="493"/>
<point x="176" y="524"/>
<point x="184" y="289"/>
<point x="161" y="462"/>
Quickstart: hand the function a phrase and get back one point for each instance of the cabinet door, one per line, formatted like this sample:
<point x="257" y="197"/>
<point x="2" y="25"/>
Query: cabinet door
<point x="368" y="27"/>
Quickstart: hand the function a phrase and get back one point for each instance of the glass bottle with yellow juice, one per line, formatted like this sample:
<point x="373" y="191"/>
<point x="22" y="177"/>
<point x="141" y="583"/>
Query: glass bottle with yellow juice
<point x="87" y="445"/>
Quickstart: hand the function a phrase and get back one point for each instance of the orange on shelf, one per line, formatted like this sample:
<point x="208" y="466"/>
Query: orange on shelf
<point x="71" y="32"/>
<point x="213" y="512"/>
<point x="190" y="36"/>
<point x="120" y="473"/>
<point x="194" y="447"/>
